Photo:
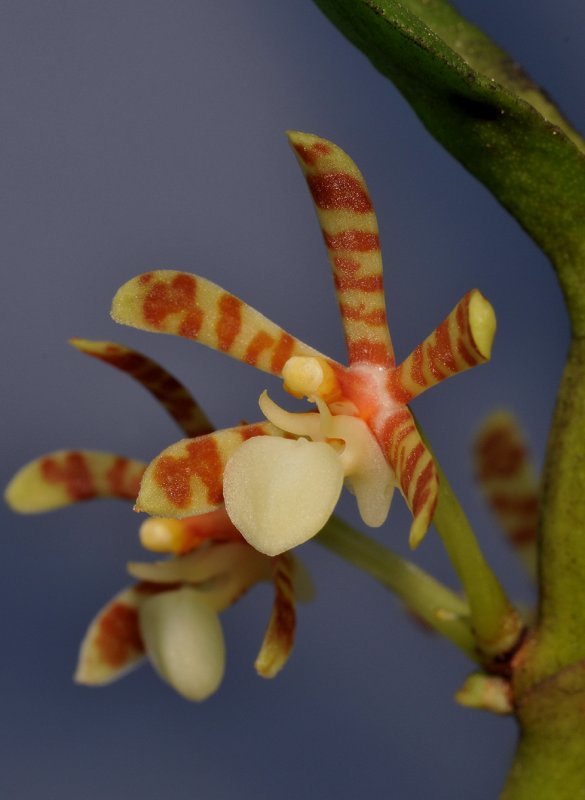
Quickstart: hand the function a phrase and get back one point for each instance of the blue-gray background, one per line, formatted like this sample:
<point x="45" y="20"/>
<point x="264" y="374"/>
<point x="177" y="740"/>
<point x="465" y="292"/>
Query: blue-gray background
<point x="144" y="134"/>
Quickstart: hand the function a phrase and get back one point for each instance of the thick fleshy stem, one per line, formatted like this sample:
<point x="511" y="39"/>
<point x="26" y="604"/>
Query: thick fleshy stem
<point x="425" y="597"/>
<point x="496" y="623"/>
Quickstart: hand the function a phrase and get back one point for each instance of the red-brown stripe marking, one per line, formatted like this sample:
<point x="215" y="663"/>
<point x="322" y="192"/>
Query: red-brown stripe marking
<point x="364" y="351"/>
<point x="359" y="313"/>
<point x="311" y="154"/>
<point x="282" y="352"/>
<point x="412" y="460"/>
<point x="396" y="388"/>
<point x="356" y="241"/>
<point x="369" y="283"/>
<point x="423" y="489"/>
<point x="74" y="474"/>
<point x="177" y="297"/>
<point x="498" y="456"/>
<point x="202" y="460"/>
<point x="118" y="636"/>
<point x="261" y="341"/>
<point x="229" y="322"/>
<point x="336" y="191"/>
<point x="118" y="480"/>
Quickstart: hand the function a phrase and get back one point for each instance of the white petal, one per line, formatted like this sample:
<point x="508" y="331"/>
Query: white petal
<point x="184" y="641"/>
<point x="280" y="492"/>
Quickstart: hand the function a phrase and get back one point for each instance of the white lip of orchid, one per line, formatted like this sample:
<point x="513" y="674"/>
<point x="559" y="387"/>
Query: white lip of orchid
<point x="184" y="641"/>
<point x="279" y="493"/>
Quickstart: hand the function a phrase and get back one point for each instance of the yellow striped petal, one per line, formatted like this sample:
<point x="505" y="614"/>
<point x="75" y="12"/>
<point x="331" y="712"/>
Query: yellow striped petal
<point x="187" y="305"/>
<point x="172" y="395"/>
<point x="279" y="637"/>
<point x="350" y="231"/>
<point x="113" y="644"/>
<point x="69" y="476"/>
<point x="413" y="467"/>
<point x="463" y="340"/>
<point x="187" y="477"/>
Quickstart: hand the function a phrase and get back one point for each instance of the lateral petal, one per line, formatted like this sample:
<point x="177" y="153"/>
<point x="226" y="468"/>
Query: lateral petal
<point x="187" y="478"/>
<point x="350" y="230"/>
<point x="178" y="303"/>
<point x="172" y="395"/>
<point x="279" y="637"/>
<point x="64" y="477"/>
<point x="414" y="469"/>
<point x="463" y="340"/>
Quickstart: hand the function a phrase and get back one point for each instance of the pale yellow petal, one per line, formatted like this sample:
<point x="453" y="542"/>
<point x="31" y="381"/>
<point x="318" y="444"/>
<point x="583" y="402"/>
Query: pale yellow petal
<point x="281" y="492"/>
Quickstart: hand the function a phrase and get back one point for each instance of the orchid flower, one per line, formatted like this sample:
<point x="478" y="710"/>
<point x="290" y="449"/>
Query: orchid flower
<point x="170" y="615"/>
<point x="279" y="489"/>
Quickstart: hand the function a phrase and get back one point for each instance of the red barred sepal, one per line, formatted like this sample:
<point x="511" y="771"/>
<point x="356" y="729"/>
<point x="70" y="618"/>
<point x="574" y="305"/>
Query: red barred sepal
<point x="463" y="340"/>
<point x="186" y="305"/>
<point x="175" y="398"/>
<point x="505" y="474"/>
<point x="414" y="469"/>
<point x="350" y="231"/>
<point x="187" y="478"/>
<point x="279" y="637"/>
<point x="113" y="644"/>
<point x="70" y="476"/>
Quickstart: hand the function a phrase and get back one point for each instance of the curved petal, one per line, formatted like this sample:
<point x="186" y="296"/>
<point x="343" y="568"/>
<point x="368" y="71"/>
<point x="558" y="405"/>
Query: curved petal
<point x="113" y="644"/>
<point x="187" y="478"/>
<point x="184" y="641"/>
<point x="281" y="492"/>
<point x="279" y="637"/>
<point x="175" y="398"/>
<point x="350" y="230"/>
<point x="463" y="340"/>
<point x="414" y="468"/>
<point x="69" y="476"/>
<point x="187" y="305"/>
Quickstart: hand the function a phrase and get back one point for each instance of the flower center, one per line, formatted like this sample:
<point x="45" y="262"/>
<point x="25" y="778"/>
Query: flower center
<point x="279" y="492"/>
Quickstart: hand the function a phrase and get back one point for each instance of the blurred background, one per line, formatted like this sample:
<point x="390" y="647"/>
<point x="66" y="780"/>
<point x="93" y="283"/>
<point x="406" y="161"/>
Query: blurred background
<point x="149" y="134"/>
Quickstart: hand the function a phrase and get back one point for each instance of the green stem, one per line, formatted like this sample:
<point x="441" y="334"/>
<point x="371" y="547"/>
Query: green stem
<point x="496" y="623"/>
<point x="558" y="641"/>
<point x="437" y="605"/>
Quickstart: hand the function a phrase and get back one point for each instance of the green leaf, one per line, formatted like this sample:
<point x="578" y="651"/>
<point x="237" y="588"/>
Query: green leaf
<point x="488" y="115"/>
